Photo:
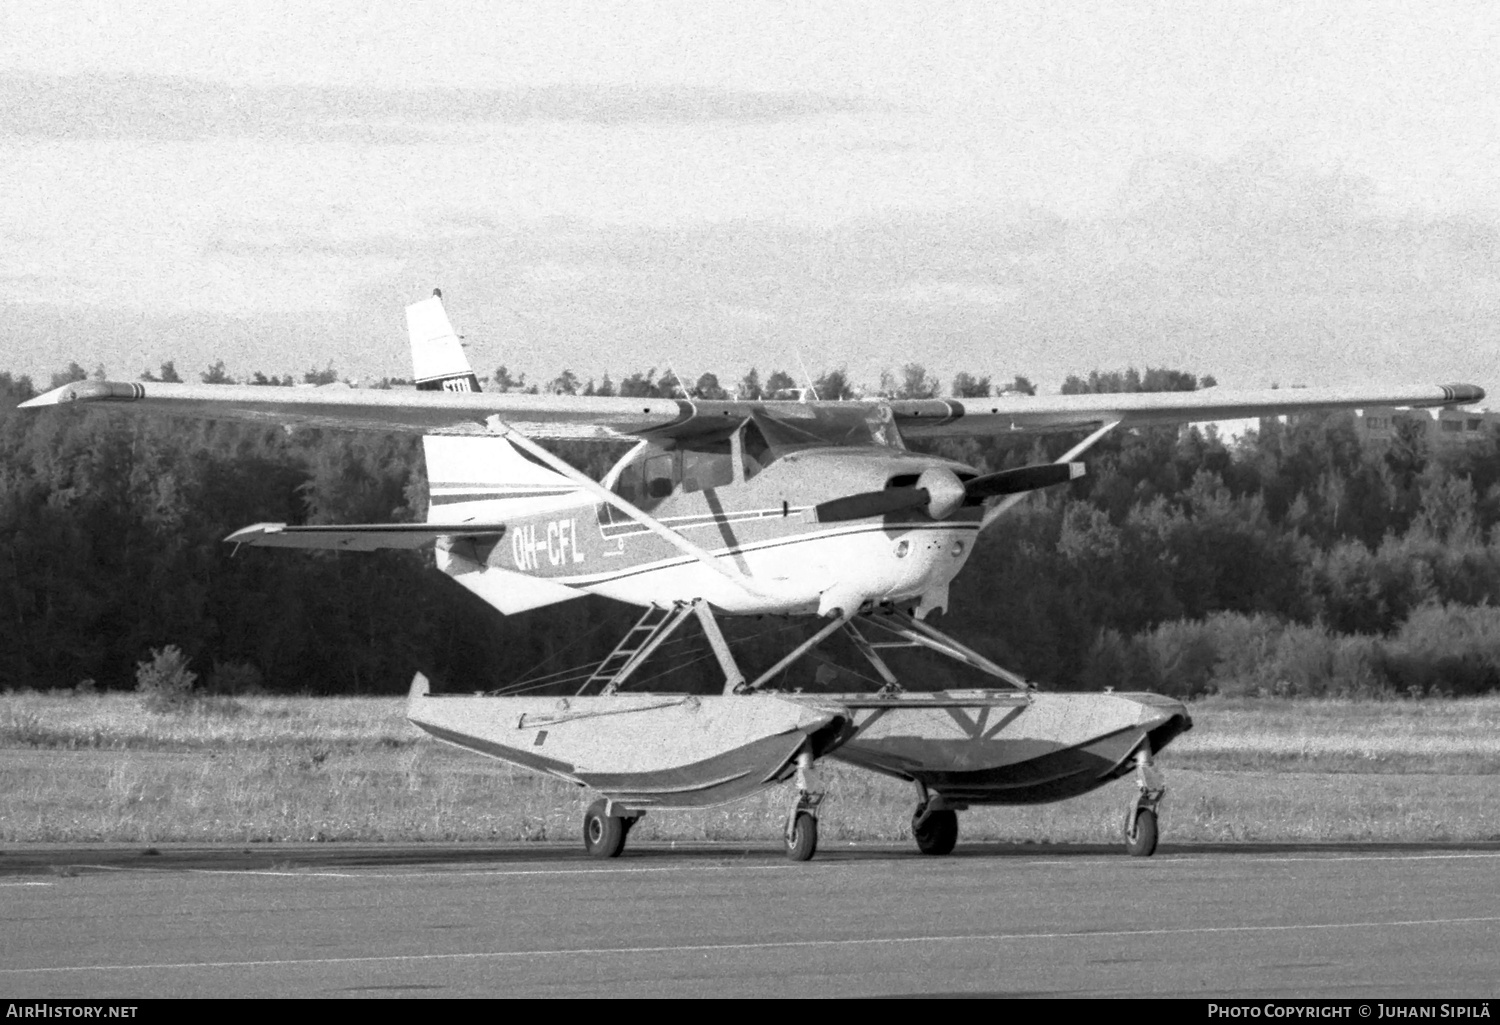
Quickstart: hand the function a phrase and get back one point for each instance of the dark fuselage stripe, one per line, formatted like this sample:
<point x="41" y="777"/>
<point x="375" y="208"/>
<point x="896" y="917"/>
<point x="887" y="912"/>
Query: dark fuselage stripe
<point x="630" y="528"/>
<point x="452" y="498"/>
<point x="742" y="549"/>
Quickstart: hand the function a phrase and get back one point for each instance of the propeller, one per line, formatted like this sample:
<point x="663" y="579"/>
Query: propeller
<point x="941" y="493"/>
<point x="1023" y="478"/>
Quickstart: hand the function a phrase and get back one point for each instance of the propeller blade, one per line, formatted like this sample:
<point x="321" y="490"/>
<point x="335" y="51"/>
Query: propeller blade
<point x="870" y="503"/>
<point x="1006" y="482"/>
<point x="1025" y="478"/>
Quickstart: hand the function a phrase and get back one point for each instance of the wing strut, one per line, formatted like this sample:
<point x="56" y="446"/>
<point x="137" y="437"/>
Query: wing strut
<point x="834" y="623"/>
<point x="642" y="517"/>
<point x="994" y="512"/>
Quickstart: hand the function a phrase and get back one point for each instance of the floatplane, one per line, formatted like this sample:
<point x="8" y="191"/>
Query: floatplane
<point x="813" y="509"/>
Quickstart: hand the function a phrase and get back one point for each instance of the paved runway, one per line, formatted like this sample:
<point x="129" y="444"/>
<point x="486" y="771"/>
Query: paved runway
<point x="721" y="920"/>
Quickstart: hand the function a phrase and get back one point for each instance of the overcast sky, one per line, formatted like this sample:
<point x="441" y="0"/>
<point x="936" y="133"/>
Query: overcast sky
<point x="1268" y="192"/>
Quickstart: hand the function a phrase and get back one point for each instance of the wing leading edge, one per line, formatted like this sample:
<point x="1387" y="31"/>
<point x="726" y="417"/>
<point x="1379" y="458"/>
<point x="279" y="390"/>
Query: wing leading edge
<point x="372" y="409"/>
<point x="944" y="417"/>
<point x="568" y="416"/>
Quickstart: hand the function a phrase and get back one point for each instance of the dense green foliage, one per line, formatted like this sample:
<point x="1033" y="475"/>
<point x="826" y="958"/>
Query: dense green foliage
<point x="1295" y="560"/>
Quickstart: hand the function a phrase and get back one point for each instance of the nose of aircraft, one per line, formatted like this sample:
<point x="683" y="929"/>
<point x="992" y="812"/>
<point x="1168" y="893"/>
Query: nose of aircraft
<point x="897" y="565"/>
<point x="945" y="492"/>
<point x="940" y="493"/>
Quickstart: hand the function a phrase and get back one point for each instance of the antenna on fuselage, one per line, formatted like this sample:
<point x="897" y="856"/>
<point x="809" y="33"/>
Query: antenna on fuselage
<point x="680" y="386"/>
<point x="812" y="389"/>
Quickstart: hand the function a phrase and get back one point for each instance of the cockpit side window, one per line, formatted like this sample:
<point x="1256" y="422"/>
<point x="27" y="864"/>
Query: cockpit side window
<point x="707" y="464"/>
<point x="704" y="460"/>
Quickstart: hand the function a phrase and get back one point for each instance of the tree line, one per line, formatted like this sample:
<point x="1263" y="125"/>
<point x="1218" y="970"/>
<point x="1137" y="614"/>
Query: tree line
<point x="911" y="382"/>
<point x="111" y="531"/>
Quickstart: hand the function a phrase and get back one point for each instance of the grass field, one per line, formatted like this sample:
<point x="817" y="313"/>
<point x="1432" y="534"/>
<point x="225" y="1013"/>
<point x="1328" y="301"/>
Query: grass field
<point x="100" y="768"/>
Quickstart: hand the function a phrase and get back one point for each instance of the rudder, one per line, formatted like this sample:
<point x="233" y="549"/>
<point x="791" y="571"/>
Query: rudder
<point x="437" y="357"/>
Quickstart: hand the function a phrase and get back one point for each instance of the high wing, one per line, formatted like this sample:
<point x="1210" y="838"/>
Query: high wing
<point x="569" y="416"/>
<point x="930" y="418"/>
<point x="373" y="409"/>
<point x="951" y="417"/>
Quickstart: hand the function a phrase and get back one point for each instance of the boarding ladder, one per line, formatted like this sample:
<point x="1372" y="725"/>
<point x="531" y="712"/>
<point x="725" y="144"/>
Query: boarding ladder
<point x="654" y="626"/>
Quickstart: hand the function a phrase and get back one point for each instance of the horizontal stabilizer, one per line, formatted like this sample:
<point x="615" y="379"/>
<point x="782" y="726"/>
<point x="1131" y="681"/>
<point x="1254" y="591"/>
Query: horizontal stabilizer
<point x="361" y="537"/>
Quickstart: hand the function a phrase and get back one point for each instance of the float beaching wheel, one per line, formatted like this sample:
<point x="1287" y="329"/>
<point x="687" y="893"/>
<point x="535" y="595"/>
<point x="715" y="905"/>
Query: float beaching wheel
<point x="937" y="833"/>
<point x="1140" y="840"/>
<point x="802" y="838"/>
<point x="603" y="834"/>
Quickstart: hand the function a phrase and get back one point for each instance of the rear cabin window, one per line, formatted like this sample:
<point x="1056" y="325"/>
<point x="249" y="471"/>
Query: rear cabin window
<point x="630" y="484"/>
<point x="658" y="473"/>
<point x="661" y="475"/>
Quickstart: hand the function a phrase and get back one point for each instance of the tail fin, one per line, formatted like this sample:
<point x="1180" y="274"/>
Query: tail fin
<point x="473" y="479"/>
<point x="464" y="472"/>
<point x="437" y="358"/>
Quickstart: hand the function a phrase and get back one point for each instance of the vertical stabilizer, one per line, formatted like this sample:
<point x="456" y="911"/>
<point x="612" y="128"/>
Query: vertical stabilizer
<point x="472" y="480"/>
<point x="437" y="357"/>
<point x="487" y="478"/>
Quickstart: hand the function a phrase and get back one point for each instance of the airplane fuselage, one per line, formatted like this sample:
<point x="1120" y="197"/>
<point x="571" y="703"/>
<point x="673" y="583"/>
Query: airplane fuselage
<point x="763" y="524"/>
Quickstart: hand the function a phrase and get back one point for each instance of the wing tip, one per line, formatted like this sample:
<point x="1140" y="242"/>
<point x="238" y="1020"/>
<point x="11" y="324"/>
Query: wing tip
<point x="1462" y="394"/>
<point x="86" y="391"/>
<point x="56" y="397"/>
<point x="420" y="687"/>
<point x="248" y="535"/>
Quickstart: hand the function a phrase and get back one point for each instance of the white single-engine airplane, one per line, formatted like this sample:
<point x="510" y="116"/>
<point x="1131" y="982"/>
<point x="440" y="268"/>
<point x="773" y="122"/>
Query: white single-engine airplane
<point x="746" y="508"/>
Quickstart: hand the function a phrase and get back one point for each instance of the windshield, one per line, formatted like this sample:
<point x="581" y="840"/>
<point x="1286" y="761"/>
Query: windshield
<point x="824" y="425"/>
<point x="703" y="461"/>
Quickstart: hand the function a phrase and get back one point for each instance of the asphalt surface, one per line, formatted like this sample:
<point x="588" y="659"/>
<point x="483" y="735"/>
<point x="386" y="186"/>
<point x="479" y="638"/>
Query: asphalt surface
<point x="1354" y="921"/>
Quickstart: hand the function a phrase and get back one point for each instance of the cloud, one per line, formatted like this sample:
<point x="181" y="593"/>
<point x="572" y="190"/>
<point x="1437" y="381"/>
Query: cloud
<point x="259" y="243"/>
<point x="1281" y="276"/>
<point x="1319" y="290"/>
<point x="920" y="293"/>
<point x="738" y="312"/>
<point x="165" y="108"/>
<point x="553" y="274"/>
<point x="1256" y="185"/>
